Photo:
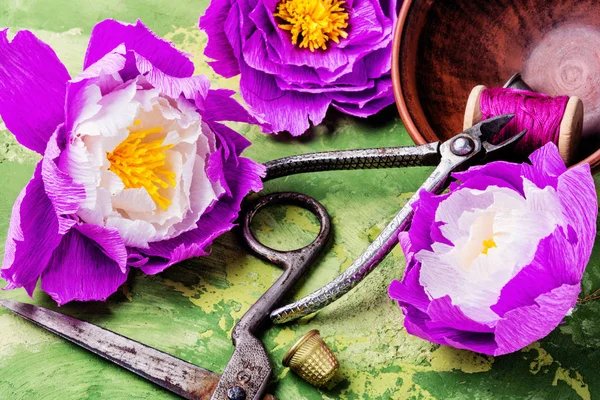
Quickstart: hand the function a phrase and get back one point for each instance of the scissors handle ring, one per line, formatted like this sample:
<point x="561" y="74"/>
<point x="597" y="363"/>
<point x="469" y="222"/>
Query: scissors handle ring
<point x="287" y="259"/>
<point x="249" y="368"/>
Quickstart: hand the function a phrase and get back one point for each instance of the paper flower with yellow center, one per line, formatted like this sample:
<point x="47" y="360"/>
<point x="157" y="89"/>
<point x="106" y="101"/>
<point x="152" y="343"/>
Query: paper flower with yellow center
<point x="298" y="58"/>
<point x="315" y="22"/>
<point x="496" y="264"/>
<point x="137" y="171"/>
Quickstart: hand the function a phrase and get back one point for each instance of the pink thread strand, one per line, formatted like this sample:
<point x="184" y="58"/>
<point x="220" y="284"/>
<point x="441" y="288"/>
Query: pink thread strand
<point x="539" y="113"/>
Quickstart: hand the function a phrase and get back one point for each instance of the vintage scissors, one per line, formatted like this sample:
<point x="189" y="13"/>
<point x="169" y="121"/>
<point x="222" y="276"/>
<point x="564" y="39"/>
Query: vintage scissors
<point x="467" y="148"/>
<point x="248" y="371"/>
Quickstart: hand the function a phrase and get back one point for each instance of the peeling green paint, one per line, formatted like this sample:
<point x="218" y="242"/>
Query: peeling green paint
<point x="190" y="309"/>
<point x="12" y="152"/>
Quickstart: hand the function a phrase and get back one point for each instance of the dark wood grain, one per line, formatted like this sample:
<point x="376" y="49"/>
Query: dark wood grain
<point x="445" y="48"/>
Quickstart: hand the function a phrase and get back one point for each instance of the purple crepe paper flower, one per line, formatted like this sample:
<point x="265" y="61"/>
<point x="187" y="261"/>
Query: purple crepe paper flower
<point x="496" y="264"/>
<point x="288" y="85"/>
<point x="137" y="170"/>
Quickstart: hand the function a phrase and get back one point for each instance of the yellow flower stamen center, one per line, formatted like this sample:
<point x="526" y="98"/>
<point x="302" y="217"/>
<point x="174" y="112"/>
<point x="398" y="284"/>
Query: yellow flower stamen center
<point x="314" y="22"/>
<point x="140" y="162"/>
<point x="487" y="245"/>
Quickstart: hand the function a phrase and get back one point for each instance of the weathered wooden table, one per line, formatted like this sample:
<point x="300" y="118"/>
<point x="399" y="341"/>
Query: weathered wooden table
<point x="190" y="309"/>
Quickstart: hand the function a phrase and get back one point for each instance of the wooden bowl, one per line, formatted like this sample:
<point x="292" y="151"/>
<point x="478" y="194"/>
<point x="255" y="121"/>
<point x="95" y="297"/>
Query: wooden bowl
<point x="442" y="49"/>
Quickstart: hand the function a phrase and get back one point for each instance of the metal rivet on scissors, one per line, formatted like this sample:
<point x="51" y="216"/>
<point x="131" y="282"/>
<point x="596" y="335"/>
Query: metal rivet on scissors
<point x="466" y="148"/>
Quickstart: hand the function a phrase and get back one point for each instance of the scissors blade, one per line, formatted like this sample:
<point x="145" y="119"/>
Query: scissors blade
<point x="491" y="126"/>
<point x="172" y="373"/>
<point x="489" y="148"/>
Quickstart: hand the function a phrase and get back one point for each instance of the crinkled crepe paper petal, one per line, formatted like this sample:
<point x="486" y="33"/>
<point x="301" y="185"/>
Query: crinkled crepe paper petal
<point x="33" y="83"/>
<point x="33" y="234"/>
<point x="90" y="273"/>
<point x="109" y="34"/>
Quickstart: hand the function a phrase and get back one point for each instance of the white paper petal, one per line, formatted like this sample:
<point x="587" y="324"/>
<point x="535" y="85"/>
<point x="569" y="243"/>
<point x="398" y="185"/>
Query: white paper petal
<point x="107" y="121"/>
<point x="474" y="279"/>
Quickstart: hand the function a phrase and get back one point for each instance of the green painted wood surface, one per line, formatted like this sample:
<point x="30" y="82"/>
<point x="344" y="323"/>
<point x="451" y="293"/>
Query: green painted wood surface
<point x="190" y="309"/>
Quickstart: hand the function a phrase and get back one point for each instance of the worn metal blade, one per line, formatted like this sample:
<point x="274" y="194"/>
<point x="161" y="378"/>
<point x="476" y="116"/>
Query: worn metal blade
<point x="172" y="373"/>
<point x="507" y="143"/>
<point x="490" y="127"/>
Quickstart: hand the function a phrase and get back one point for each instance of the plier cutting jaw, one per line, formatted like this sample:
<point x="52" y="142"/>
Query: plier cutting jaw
<point x="476" y="140"/>
<point x="471" y="146"/>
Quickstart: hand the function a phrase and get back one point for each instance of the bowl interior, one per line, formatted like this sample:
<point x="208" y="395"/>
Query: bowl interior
<point x="445" y="48"/>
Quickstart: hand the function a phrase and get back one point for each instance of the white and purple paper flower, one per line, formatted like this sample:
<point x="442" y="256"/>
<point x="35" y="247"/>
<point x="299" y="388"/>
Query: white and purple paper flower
<point x="296" y="58"/>
<point x="496" y="264"/>
<point x="137" y="170"/>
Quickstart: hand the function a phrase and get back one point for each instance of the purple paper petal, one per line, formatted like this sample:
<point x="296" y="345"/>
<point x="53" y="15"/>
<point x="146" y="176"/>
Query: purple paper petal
<point x="80" y="270"/>
<point x="420" y="234"/>
<point x="108" y="34"/>
<point x="218" y="105"/>
<point x="309" y="88"/>
<point x="102" y="74"/>
<point x="231" y="143"/>
<point x="218" y="47"/>
<point x="479" y="342"/>
<point x="378" y="63"/>
<point x="367" y="103"/>
<point x="410" y="291"/>
<point x="406" y="246"/>
<point x="371" y="108"/>
<point x="546" y="166"/>
<point x="390" y="9"/>
<point x="66" y="195"/>
<point x="444" y="314"/>
<point x="190" y="87"/>
<point x="547" y="270"/>
<point x="283" y="110"/>
<point x="233" y="28"/>
<point x="577" y="194"/>
<point x="33" y="86"/>
<point x="415" y="322"/>
<point x="500" y="173"/>
<point x="216" y="170"/>
<point x="382" y="90"/>
<point x="108" y="240"/>
<point x="541" y="318"/>
<point x="33" y="235"/>
<point x="365" y="23"/>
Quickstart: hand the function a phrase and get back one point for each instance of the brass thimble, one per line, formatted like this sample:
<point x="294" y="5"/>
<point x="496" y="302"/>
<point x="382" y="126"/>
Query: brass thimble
<point x="312" y="359"/>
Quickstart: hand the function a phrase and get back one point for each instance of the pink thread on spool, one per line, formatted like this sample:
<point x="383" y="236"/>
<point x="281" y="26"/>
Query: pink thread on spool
<point x="540" y="114"/>
<point x="547" y="119"/>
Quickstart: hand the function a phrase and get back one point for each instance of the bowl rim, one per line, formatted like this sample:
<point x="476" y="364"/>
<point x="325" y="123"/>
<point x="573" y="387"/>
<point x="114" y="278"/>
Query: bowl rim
<point x="409" y="124"/>
<point x="593" y="159"/>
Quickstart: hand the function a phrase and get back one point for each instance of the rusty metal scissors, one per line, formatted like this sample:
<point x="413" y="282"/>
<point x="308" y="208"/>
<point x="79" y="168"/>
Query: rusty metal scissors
<point x="248" y="371"/>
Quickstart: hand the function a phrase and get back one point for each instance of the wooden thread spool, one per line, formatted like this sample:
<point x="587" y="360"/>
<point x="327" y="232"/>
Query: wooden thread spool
<point x="570" y="127"/>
